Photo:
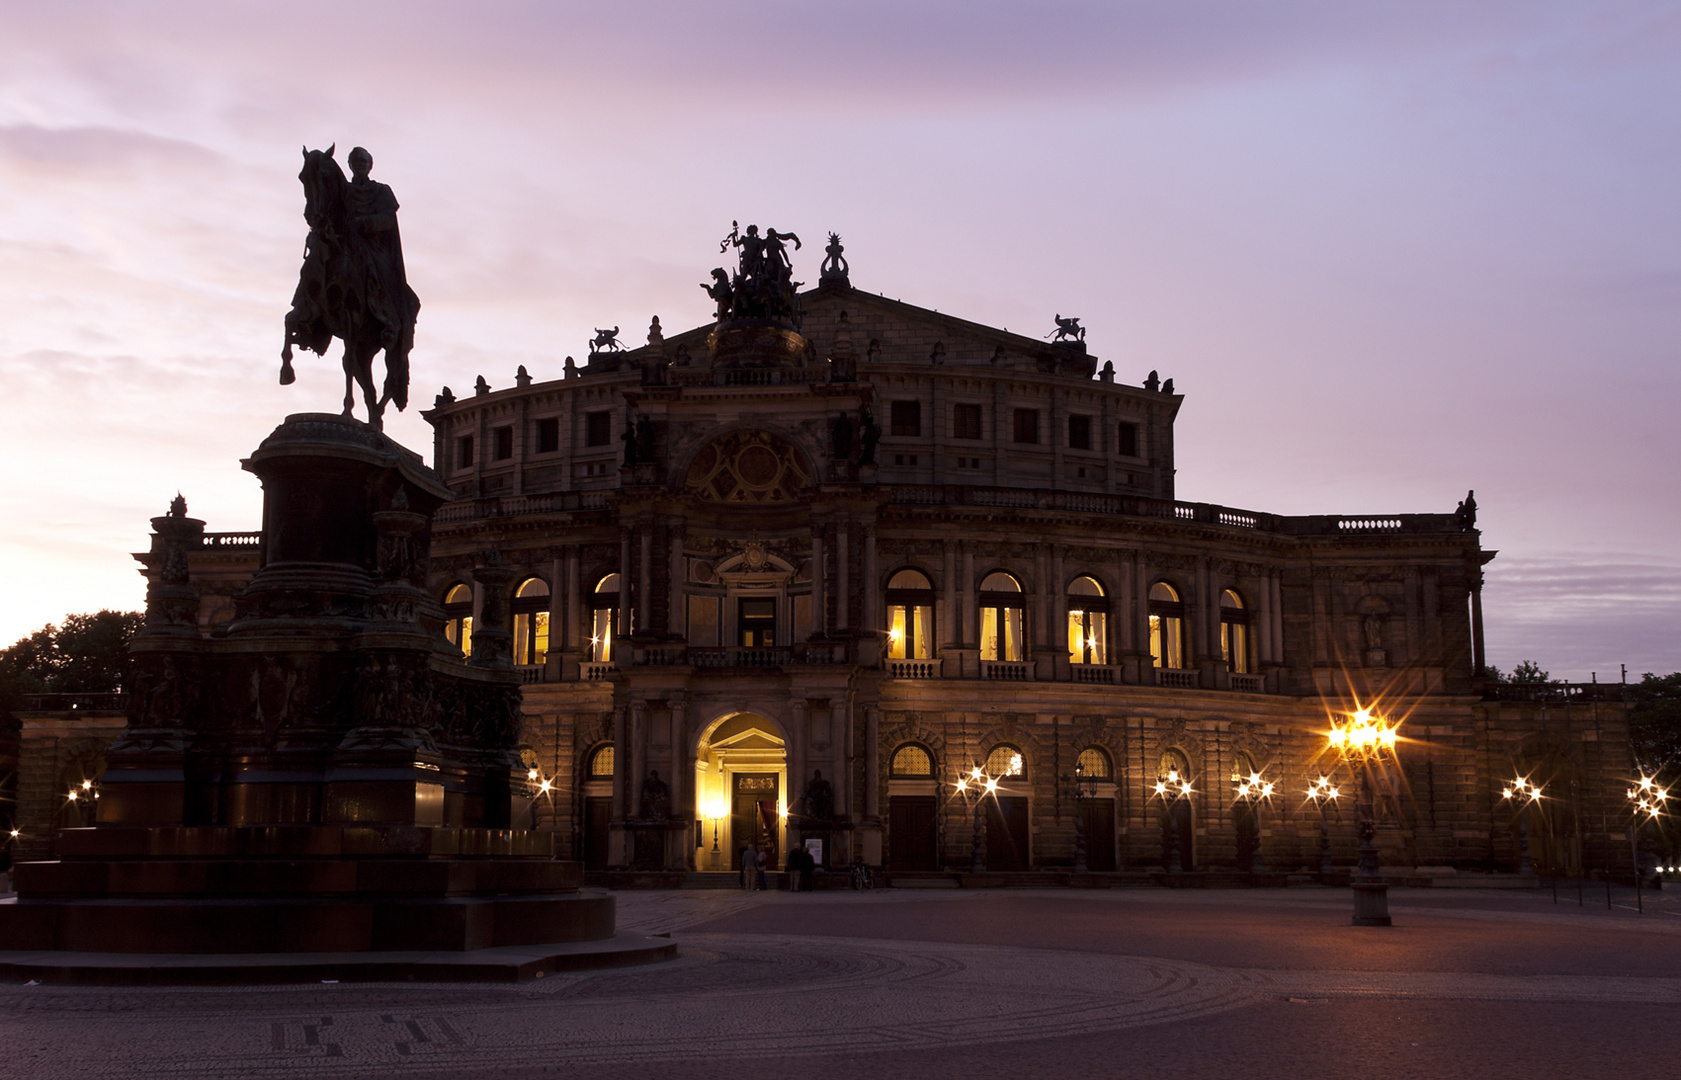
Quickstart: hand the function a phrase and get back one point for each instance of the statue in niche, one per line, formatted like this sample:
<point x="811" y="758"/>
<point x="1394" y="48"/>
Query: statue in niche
<point x="656" y="798"/>
<point x="820" y="797"/>
<point x="868" y="435"/>
<point x="1373" y="624"/>
<point x="352" y="285"/>
<point x="840" y="434"/>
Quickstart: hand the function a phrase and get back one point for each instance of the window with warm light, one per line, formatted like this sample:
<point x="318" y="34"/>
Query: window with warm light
<point x="601" y="762"/>
<point x="1088" y="622"/>
<point x="1094" y="764"/>
<point x="1004" y="760"/>
<point x="910" y="616"/>
<point x="604" y="618"/>
<point x="1234" y="632"/>
<point x="911" y="760"/>
<point x="1167" y="626"/>
<point x="1002" y="610"/>
<point x="531" y="622"/>
<point x="458" y="618"/>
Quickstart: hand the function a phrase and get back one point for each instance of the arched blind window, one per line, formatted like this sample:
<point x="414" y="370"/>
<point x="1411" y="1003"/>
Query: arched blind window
<point x="1094" y="763"/>
<point x="601" y="763"/>
<point x="1004" y="760"/>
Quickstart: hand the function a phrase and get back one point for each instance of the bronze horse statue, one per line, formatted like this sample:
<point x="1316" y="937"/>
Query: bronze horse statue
<point x="352" y="284"/>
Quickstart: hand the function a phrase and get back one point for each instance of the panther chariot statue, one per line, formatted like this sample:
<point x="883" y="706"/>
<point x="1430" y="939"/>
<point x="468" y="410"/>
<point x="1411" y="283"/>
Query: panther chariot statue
<point x="352" y="285"/>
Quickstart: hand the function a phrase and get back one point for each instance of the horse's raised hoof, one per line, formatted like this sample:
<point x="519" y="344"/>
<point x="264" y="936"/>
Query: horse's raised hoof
<point x="287" y="378"/>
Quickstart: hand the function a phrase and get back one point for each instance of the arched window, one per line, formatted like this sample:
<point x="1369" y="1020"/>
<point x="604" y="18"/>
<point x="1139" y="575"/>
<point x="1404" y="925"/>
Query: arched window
<point x="1243" y="767"/>
<point x="604" y="618"/>
<point x="1093" y="764"/>
<point x="601" y="763"/>
<point x="531" y="622"/>
<point x="1174" y="768"/>
<point x="912" y="761"/>
<point x="1088" y="622"/>
<point x="458" y="618"/>
<point x="1167" y="626"/>
<point x="1001" y="618"/>
<point x="1004" y="760"/>
<point x="1234" y="632"/>
<point x="910" y="616"/>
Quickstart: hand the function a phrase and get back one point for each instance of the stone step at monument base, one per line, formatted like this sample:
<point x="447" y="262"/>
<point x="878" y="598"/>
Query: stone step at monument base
<point x="316" y="841"/>
<point x="505" y="964"/>
<point x="293" y="877"/>
<point x="293" y="925"/>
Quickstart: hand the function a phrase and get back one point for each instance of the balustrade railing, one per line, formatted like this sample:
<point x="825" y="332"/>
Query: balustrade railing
<point x="532" y="673"/>
<point x="233" y="541"/>
<point x="914" y="669"/>
<point x="1248" y="684"/>
<point x="1177" y="678"/>
<point x="1005" y="670"/>
<point x="593" y="671"/>
<point x="1093" y="673"/>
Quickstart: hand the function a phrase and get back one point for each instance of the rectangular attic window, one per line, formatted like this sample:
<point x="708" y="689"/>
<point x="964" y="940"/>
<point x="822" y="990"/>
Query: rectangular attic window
<point x="965" y="421"/>
<point x="504" y="443"/>
<point x="548" y="435"/>
<point x="1027" y="426"/>
<point x="1127" y="445"/>
<point x="464" y="452"/>
<point x="1079" y="433"/>
<point x="598" y="429"/>
<point x="907" y="418"/>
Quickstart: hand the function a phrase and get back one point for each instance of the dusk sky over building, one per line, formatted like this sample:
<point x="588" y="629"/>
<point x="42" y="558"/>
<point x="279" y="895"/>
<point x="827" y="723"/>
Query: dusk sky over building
<point x="1388" y="251"/>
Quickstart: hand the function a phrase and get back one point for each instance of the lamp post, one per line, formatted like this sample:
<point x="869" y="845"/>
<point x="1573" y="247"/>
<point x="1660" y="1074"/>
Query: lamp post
<point x="1362" y="742"/>
<point x="1250" y="791"/>
<point x="1323" y="793"/>
<point x="975" y="786"/>
<point x="1648" y="801"/>
<point x="1170" y="789"/>
<point x="1083" y="787"/>
<point x="1522" y="794"/>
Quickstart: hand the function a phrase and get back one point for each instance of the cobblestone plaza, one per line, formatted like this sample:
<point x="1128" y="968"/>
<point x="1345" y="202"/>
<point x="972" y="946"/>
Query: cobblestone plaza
<point x="961" y="983"/>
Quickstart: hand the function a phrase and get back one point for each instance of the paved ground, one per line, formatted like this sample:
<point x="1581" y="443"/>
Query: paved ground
<point x="900" y="983"/>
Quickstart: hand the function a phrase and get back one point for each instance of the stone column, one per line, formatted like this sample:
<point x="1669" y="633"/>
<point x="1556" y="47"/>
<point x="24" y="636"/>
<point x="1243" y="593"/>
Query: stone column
<point x="1126" y="602"/>
<point x="1058" y="630"/>
<point x="840" y="740"/>
<point x="1478" y="659"/>
<point x="558" y="607"/>
<point x="872" y="582"/>
<point x="843" y="579"/>
<point x="1274" y="582"/>
<point x="872" y="762"/>
<point x="492" y="641"/>
<point x="798" y="738"/>
<point x="624" y="588"/>
<point x="948" y="629"/>
<point x="645" y="580"/>
<point x="574" y="601"/>
<point x="638" y="731"/>
<point x="819" y="590"/>
<point x="621" y="763"/>
<point x="677" y="623"/>
<point x="680" y="843"/>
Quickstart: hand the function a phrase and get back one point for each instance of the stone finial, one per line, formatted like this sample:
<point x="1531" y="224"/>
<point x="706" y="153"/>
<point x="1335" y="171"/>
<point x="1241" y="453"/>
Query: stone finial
<point x="834" y="270"/>
<point x="481" y="388"/>
<point x="656" y="337"/>
<point x="571" y="368"/>
<point x="445" y="398"/>
<point x="522" y="377"/>
<point x="938" y="355"/>
<point x="998" y="356"/>
<point x="1167" y="387"/>
<point x="178" y="506"/>
<point x="1108" y="371"/>
<point x="1153" y="382"/>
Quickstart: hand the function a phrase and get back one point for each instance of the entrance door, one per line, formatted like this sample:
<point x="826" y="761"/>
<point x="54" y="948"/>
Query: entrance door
<point x="1099" y="826"/>
<point x="754" y="817"/>
<point x="1006" y="833"/>
<point x="756" y="619"/>
<point x="598" y="811"/>
<point x="910" y="832"/>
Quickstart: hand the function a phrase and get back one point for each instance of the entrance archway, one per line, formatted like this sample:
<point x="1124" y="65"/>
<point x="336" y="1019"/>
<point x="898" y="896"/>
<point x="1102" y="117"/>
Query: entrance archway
<point x="741" y="781"/>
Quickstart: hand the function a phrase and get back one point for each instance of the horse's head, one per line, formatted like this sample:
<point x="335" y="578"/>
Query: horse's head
<point x="323" y="182"/>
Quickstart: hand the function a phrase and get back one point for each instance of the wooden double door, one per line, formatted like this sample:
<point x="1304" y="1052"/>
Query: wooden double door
<point x="755" y="817"/>
<point x="912" y="841"/>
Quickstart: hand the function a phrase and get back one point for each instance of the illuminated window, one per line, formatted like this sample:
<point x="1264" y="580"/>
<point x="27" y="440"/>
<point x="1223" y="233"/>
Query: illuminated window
<point x="1095" y="763"/>
<point x="1167" y="626"/>
<point x="910" y="616"/>
<point x="1001" y="618"/>
<point x="531" y="622"/>
<point x="1004" y="760"/>
<point x="1088" y="622"/>
<point x="458" y="618"/>
<point x="601" y="762"/>
<point x="1234" y="632"/>
<point x="1174" y="768"/>
<point x="912" y="760"/>
<point x="604" y="618"/>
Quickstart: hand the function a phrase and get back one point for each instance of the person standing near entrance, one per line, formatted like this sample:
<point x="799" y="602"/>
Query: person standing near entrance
<point x="764" y="861"/>
<point x="749" y="867"/>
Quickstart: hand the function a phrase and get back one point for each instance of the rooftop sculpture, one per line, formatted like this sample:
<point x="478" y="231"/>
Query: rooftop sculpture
<point x="352" y="285"/>
<point x="763" y="285"/>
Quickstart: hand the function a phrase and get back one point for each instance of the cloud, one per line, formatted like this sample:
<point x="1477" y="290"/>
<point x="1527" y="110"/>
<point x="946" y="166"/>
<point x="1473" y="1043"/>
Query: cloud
<point x="1576" y="613"/>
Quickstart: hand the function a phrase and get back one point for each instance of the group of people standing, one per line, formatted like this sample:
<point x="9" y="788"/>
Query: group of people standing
<point x="801" y="863"/>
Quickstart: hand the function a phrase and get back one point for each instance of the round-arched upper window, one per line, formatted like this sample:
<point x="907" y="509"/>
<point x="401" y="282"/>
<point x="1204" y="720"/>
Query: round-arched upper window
<point x="1005" y="760"/>
<point x="1162" y="592"/>
<point x="532" y="587"/>
<point x="912" y="760"/>
<point x="1094" y="763"/>
<point x="1230" y="599"/>
<point x="1085" y="586"/>
<point x="910" y="579"/>
<point x="1000" y="582"/>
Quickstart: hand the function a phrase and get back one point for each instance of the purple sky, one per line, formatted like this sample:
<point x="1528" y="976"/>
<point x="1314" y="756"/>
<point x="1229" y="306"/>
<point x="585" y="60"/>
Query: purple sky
<point x="1389" y="251"/>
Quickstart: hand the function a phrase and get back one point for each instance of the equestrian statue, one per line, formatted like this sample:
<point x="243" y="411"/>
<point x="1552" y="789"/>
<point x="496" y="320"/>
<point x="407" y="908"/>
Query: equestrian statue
<point x="352" y="285"/>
